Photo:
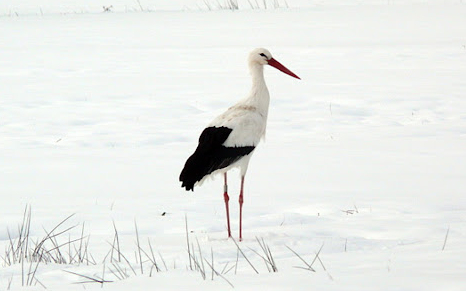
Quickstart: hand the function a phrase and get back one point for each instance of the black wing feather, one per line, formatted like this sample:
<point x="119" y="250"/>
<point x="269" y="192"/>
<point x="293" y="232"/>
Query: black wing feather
<point x="211" y="155"/>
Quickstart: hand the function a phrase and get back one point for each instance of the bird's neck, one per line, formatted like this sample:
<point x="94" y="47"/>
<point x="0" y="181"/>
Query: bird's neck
<point x="259" y="94"/>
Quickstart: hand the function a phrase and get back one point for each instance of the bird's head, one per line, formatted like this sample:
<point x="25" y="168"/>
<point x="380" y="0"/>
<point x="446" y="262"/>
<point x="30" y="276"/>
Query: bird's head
<point x="261" y="56"/>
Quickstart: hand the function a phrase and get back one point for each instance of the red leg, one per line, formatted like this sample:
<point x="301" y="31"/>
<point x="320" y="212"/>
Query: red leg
<point x="241" y="210"/>
<point x="226" y="198"/>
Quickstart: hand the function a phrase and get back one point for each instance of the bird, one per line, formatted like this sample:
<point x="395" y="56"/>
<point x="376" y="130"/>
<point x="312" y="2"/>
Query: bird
<point x="231" y="138"/>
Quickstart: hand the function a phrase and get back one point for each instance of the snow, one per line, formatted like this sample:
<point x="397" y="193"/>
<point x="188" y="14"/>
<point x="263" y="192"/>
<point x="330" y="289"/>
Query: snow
<point x="364" y="155"/>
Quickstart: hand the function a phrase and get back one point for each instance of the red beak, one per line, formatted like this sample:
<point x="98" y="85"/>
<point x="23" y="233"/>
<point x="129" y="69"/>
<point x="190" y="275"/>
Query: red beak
<point x="274" y="63"/>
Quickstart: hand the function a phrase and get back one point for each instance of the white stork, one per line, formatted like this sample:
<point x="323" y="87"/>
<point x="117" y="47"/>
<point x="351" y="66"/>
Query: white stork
<point x="230" y="139"/>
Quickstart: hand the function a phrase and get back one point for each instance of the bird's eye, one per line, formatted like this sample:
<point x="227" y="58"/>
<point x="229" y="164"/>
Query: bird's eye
<point x="263" y="55"/>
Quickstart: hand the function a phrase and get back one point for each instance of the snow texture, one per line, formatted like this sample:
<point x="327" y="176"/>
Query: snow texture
<point x="365" y="155"/>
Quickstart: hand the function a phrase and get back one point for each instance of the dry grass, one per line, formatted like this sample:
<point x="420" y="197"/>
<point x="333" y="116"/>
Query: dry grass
<point x="58" y="246"/>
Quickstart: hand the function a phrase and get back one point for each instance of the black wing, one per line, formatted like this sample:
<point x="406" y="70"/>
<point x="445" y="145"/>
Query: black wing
<point x="211" y="155"/>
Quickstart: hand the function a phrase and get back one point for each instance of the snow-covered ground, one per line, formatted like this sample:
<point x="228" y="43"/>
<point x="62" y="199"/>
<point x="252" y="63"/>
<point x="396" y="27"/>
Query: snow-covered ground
<point x="365" y="155"/>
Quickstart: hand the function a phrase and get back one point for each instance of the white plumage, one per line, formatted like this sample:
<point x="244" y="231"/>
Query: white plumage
<point x="230" y="139"/>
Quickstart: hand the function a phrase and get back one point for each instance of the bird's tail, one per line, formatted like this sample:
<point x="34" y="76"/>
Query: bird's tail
<point x="191" y="173"/>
